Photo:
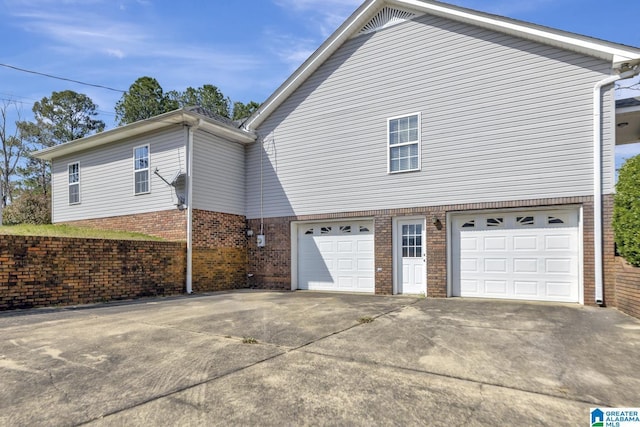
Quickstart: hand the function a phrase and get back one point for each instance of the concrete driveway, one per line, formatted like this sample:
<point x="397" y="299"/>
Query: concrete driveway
<point x="182" y="361"/>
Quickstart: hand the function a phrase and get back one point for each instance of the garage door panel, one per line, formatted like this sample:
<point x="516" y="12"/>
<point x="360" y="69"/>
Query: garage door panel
<point x="470" y="287"/>
<point x="522" y="255"/>
<point x="525" y="265"/>
<point x="495" y="243"/>
<point x="469" y="265"/>
<point x="525" y="243"/>
<point x="495" y="265"/>
<point x="365" y="264"/>
<point x="336" y="256"/>
<point x="559" y="242"/>
<point x="469" y="243"/>
<point x="525" y="289"/>
<point x="559" y="289"/>
<point x="365" y="246"/>
<point x="559" y="266"/>
<point x="495" y="287"/>
<point x="345" y="264"/>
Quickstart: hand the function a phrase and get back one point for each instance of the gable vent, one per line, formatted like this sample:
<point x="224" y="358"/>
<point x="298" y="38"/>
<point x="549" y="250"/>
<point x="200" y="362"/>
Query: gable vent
<point x="387" y="17"/>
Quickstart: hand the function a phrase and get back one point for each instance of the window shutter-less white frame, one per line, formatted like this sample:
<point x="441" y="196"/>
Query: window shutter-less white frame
<point x="73" y="179"/>
<point x="404" y="148"/>
<point x="141" y="169"/>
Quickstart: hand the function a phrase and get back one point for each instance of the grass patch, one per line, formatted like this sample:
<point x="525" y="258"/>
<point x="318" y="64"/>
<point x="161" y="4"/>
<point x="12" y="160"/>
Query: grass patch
<point x="249" y="340"/>
<point x="63" y="230"/>
<point x="365" y="319"/>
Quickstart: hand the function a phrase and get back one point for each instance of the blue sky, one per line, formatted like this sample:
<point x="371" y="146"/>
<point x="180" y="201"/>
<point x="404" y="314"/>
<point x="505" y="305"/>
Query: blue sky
<point x="245" y="48"/>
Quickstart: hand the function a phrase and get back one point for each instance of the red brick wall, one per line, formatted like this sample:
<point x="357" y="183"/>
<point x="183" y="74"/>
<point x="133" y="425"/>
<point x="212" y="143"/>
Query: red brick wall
<point x="219" y="251"/>
<point x="628" y="287"/>
<point x="45" y="271"/>
<point x="609" y="252"/>
<point x="383" y="245"/>
<point x="170" y="225"/>
<point x="271" y="265"/>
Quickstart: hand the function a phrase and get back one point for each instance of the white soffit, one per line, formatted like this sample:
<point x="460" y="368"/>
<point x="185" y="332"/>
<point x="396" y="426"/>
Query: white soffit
<point x="387" y="17"/>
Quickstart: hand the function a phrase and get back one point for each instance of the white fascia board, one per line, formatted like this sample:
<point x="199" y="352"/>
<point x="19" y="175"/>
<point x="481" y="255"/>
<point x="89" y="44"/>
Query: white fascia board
<point x="358" y="19"/>
<point x="616" y="53"/>
<point x="172" y="118"/>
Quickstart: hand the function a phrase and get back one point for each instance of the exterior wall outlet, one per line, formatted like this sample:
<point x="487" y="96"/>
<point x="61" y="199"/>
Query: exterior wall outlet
<point x="261" y="241"/>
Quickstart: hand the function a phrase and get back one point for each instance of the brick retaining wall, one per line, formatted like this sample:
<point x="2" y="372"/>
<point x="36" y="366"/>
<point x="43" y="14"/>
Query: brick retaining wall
<point x="219" y="251"/>
<point x="628" y="288"/>
<point x="44" y="271"/>
<point x="170" y="225"/>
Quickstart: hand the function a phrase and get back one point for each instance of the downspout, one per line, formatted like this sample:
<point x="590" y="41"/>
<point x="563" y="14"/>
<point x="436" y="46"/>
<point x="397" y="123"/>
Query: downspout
<point x="189" y="278"/>
<point x="597" y="179"/>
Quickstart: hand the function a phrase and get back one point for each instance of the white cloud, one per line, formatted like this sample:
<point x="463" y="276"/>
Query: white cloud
<point x="325" y="15"/>
<point x="116" y="53"/>
<point x="291" y="50"/>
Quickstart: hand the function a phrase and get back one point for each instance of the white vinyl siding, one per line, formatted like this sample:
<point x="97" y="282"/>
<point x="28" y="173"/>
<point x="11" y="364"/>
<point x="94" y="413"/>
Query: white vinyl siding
<point x="74" y="183"/>
<point x="107" y="178"/>
<point x="141" y="169"/>
<point x="508" y="119"/>
<point x="404" y="143"/>
<point x="218" y="174"/>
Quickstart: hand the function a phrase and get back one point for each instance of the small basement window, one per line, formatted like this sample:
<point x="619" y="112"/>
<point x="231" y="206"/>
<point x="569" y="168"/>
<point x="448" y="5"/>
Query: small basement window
<point x="141" y="169"/>
<point x="74" y="183"/>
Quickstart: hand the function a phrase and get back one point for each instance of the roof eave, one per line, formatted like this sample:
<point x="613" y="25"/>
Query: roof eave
<point x="172" y="118"/>
<point x="620" y="56"/>
<point x="333" y="43"/>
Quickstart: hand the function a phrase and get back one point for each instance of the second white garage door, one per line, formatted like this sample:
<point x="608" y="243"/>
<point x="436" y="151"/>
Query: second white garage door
<point x="336" y="256"/>
<point x="531" y="255"/>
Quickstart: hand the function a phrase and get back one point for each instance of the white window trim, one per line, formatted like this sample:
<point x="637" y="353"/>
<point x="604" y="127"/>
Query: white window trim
<point x="75" y="183"/>
<point x="419" y="142"/>
<point x="148" y="169"/>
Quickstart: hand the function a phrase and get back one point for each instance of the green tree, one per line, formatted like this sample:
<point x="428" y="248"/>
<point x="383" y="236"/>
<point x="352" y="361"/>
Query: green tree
<point x="28" y="208"/>
<point x="65" y="116"/>
<point x="12" y="149"/>
<point x="243" y="111"/>
<point x="36" y="173"/>
<point x="145" y="99"/>
<point x="626" y="211"/>
<point x="207" y="96"/>
<point x="70" y="114"/>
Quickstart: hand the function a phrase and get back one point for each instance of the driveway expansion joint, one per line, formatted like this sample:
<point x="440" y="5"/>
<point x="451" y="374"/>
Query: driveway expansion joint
<point x="457" y="378"/>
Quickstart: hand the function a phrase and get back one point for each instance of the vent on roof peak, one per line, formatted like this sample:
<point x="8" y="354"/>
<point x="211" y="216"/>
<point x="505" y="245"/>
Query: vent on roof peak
<point x="387" y="17"/>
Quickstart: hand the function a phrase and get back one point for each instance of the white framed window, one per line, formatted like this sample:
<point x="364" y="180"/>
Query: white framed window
<point x="141" y="170"/>
<point x="403" y="135"/>
<point x="74" y="183"/>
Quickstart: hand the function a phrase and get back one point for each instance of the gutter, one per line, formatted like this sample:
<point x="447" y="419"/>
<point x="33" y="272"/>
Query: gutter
<point x="189" y="278"/>
<point x="597" y="178"/>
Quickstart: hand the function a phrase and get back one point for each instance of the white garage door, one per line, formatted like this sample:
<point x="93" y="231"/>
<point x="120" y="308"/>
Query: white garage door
<point x="336" y="256"/>
<point x="530" y="255"/>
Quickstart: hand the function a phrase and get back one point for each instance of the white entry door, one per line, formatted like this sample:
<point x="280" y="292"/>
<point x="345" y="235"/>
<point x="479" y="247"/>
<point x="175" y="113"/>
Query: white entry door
<point x="411" y="257"/>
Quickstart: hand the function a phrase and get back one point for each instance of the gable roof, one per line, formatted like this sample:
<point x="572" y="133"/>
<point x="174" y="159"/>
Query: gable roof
<point x="372" y="15"/>
<point x="190" y="116"/>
